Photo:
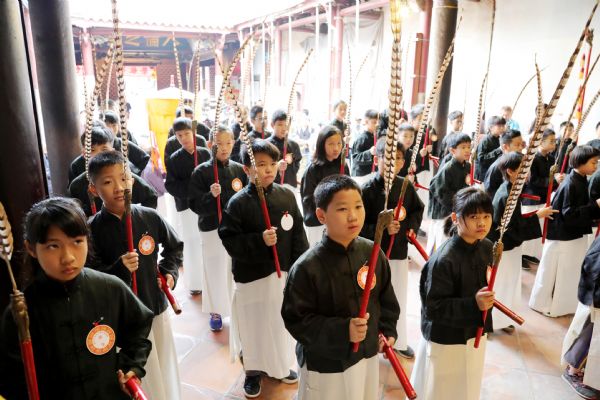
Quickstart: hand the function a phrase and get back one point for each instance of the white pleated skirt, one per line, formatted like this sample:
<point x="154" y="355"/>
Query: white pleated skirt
<point x="533" y="247"/>
<point x="435" y="235"/>
<point x="162" y="372"/>
<point x="359" y="382"/>
<point x="444" y="372"/>
<point x="400" y="284"/>
<point x="258" y="329"/>
<point x="192" y="250"/>
<point x="217" y="287"/>
<point x="554" y="292"/>
<point x="507" y="286"/>
<point x="314" y="234"/>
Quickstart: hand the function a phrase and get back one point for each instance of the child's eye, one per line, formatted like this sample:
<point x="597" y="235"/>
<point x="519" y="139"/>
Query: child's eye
<point x="52" y="246"/>
<point x="359" y="207"/>
<point x="342" y="209"/>
<point x="79" y="241"/>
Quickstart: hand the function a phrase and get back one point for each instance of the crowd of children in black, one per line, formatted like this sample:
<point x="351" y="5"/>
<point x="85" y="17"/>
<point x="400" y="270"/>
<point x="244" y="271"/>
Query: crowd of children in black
<point x="323" y="224"/>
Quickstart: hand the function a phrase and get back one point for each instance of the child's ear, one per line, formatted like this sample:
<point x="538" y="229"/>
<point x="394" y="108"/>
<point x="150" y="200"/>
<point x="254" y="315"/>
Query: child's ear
<point x="92" y="189"/>
<point x="454" y="218"/>
<point x="30" y="249"/>
<point x="246" y="170"/>
<point x="320" y="213"/>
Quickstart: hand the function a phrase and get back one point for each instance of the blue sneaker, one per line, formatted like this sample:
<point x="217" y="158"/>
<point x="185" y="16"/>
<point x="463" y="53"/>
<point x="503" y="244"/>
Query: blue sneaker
<point x="216" y="322"/>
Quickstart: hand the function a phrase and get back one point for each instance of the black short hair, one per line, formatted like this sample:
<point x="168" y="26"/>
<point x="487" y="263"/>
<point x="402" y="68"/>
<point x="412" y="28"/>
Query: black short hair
<point x="64" y="213"/>
<point x="597" y="125"/>
<point x="254" y="111"/>
<point x="259" y="146"/>
<point x="380" y="147"/>
<point x="508" y="136"/>
<point x="330" y="185"/>
<point x="548" y="132"/>
<point x="181" y="124"/>
<point x="468" y="201"/>
<point x="495" y="120"/>
<point x="372" y="114"/>
<point x="339" y="103"/>
<point x="416" y="111"/>
<point x="99" y="136"/>
<point x="407" y="127"/>
<point x="456" y="140"/>
<point x="564" y="123"/>
<point x="279" y="115"/>
<point x="510" y="161"/>
<point x="186" y="110"/>
<point x="111" y="117"/>
<point x="454" y="115"/>
<point x="581" y="155"/>
<point x="103" y="160"/>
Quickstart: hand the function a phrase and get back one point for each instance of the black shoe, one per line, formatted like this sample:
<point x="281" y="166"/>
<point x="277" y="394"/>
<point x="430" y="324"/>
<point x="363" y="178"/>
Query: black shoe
<point x="291" y="378"/>
<point x="409" y="353"/>
<point x="525" y="265"/>
<point x="252" y="386"/>
<point x="576" y="383"/>
<point x="195" y="292"/>
<point x="421" y="233"/>
<point x="509" y="329"/>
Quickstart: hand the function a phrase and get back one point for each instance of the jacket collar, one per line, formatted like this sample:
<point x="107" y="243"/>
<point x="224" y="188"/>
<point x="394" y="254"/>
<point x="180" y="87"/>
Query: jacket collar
<point x="336" y="247"/>
<point x="53" y="286"/>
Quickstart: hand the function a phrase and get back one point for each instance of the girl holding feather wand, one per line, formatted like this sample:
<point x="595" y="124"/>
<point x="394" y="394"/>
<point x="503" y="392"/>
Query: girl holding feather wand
<point x="105" y="317"/>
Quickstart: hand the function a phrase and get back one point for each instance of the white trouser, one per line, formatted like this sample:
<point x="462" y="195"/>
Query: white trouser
<point x="256" y="320"/>
<point x="162" y="372"/>
<point x="400" y="284"/>
<point x="217" y="288"/>
<point x="444" y="372"/>
<point x="192" y="250"/>
<point x="533" y="247"/>
<point x="435" y="235"/>
<point x="359" y="382"/>
<point x="507" y="286"/>
<point x="314" y="234"/>
<point x="554" y="292"/>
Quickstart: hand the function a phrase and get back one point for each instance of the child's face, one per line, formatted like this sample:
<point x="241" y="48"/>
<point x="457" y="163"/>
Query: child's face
<point x="548" y="145"/>
<point x="61" y="257"/>
<point x="99" y="148"/>
<point x="333" y="147"/>
<point x="266" y="168"/>
<point x="279" y="128"/>
<point x="497" y="130"/>
<point x="589" y="167"/>
<point x="567" y="131"/>
<point x="516" y="144"/>
<point x="371" y="124"/>
<point x="507" y="114"/>
<point x="224" y="145"/>
<point x="462" y="152"/>
<point x="189" y="115"/>
<point x="344" y="216"/>
<point x="416" y="122"/>
<point x="473" y="227"/>
<point x="110" y="186"/>
<point x="457" y="124"/>
<point x="397" y="167"/>
<point x="114" y="127"/>
<point x="257" y="122"/>
<point x="185" y="137"/>
<point x="340" y="112"/>
<point x="407" y="138"/>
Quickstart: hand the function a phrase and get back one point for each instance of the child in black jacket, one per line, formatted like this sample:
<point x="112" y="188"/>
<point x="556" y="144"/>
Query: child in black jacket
<point x="257" y="324"/>
<point x="322" y="299"/>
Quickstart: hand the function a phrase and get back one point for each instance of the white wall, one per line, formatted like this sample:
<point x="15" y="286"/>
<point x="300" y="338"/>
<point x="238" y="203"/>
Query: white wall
<point x="548" y="28"/>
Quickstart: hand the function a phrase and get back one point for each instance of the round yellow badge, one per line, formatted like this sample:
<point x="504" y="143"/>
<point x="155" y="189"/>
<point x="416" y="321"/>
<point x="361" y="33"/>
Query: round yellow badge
<point x="361" y="277"/>
<point x="146" y="245"/>
<point x="100" y="340"/>
<point x="237" y="184"/>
